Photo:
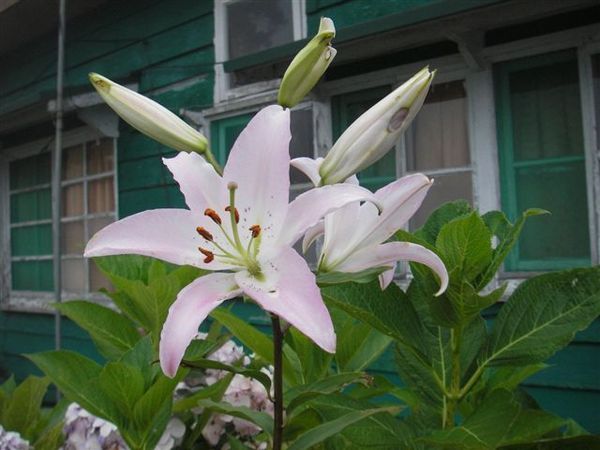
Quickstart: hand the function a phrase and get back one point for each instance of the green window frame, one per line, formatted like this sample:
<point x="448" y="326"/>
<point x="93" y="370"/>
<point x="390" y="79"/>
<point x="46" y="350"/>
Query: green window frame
<point x="345" y="109"/>
<point x="542" y="160"/>
<point x="224" y="132"/>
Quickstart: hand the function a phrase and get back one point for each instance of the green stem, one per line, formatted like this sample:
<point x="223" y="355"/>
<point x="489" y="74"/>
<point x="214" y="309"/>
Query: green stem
<point x="208" y="155"/>
<point x="454" y="397"/>
<point x="277" y="382"/>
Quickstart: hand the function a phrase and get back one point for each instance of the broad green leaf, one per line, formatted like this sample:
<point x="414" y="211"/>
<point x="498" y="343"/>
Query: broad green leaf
<point x="256" y="374"/>
<point x="256" y="341"/>
<point x="390" y="311"/>
<point x="141" y="356"/>
<point x="378" y="386"/>
<point x="328" y="429"/>
<point x="112" y="333"/>
<point x="213" y="392"/>
<point x="509" y="378"/>
<point x="77" y="377"/>
<point x="567" y="443"/>
<point x="123" y="384"/>
<point x="130" y="267"/>
<point x="9" y="385"/>
<point x="440" y="217"/>
<point x="542" y="316"/>
<point x="23" y="410"/>
<point x="50" y="439"/>
<point x="465" y="245"/>
<point x="314" y="361"/>
<point x="297" y="395"/>
<point x="365" y="276"/>
<point x="235" y="443"/>
<point x="507" y="235"/>
<point x="261" y="419"/>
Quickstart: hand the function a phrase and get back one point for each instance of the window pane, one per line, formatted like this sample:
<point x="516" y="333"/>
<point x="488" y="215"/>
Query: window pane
<point x="438" y="137"/>
<point x="72" y="238"/>
<point x="101" y="196"/>
<point x="546" y="112"/>
<point x="33" y="205"/>
<point x="453" y="186"/>
<point x="31" y="241"/>
<point x="72" y="201"/>
<point x="73" y="275"/>
<point x="72" y="162"/>
<point x="32" y="275"/>
<point x="28" y="172"/>
<point x="100" y="156"/>
<point x="302" y="141"/>
<point x="256" y="25"/>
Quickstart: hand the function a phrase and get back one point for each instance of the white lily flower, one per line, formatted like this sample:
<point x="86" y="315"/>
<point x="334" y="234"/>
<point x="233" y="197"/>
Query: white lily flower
<point x="373" y="134"/>
<point x="149" y="117"/>
<point x="356" y="235"/>
<point x="308" y="66"/>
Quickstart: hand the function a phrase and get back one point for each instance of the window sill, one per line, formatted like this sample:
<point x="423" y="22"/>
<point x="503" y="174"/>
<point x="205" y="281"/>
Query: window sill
<point x="41" y="302"/>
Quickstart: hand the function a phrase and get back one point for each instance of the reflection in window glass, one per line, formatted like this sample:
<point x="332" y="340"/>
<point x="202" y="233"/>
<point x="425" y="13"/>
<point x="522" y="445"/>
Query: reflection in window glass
<point x="256" y="25"/>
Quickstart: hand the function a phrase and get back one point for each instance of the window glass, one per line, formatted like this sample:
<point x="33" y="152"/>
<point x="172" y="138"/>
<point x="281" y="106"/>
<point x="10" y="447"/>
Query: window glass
<point x="542" y="161"/>
<point x="31" y="216"/>
<point x="256" y="25"/>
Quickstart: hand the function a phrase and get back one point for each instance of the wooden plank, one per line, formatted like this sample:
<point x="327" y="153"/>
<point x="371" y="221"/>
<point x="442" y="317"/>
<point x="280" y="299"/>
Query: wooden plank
<point x="138" y="200"/>
<point x="195" y="96"/>
<point x="142" y="174"/>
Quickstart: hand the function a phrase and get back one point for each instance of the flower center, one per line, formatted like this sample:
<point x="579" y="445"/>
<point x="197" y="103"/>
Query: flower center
<point x="238" y="254"/>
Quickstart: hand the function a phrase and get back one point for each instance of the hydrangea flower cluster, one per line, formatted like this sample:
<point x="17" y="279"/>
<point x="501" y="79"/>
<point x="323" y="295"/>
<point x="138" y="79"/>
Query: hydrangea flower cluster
<point x="84" y="431"/>
<point x="10" y="440"/>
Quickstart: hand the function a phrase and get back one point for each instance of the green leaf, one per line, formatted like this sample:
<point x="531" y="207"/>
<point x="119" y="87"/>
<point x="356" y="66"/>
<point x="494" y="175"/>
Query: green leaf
<point x="123" y="384"/>
<point x="213" y="392"/>
<point x="440" y="217"/>
<point x="365" y="276"/>
<point x="112" y="333"/>
<point x="9" y="385"/>
<point x="507" y="235"/>
<point x="256" y="341"/>
<point x="568" y="443"/>
<point x="77" y="377"/>
<point x="261" y="419"/>
<point x="256" y="374"/>
<point x="50" y="439"/>
<point x="141" y="356"/>
<point x="298" y="395"/>
<point x="465" y="245"/>
<point x="314" y="361"/>
<point x="543" y="315"/>
<point x="510" y="378"/>
<point x="235" y="443"/>
<point x="23" y="410"/>
<point x="328" y="429"/>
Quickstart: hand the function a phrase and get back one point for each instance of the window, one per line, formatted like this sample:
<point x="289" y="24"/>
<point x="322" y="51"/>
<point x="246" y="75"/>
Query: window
<point x="224" y="132"/>
<point x="88" y="204"/>
<point x="436" y="144"/>
<point x="542" y="159"/>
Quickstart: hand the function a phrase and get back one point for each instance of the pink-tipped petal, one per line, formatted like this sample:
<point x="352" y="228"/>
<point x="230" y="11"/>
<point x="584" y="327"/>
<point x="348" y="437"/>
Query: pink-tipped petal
<point x="288" y="288"/>
<point x="309" y="167"/>
<point x="198" y="181"/>
<point x="387" y="254"/>
<point x="387" y="277"/>
<point x="191" y="307"/>
<point x="259" y="163"/>
<point x="400" y="200"/>
<point x="309" y="208"/>
<point x="312" y="234"/>
<point x="167" y="234"/>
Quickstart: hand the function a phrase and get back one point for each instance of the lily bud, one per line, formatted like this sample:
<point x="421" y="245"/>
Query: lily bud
<point x="308" y="66"/>
<point x="374" y="133"/>
<point x="149" y="117"/>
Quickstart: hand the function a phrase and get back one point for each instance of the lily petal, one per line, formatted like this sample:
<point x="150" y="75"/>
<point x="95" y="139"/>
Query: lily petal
<point x="311" y="206"/>
<point x="387" y="277"/>
<point x="188" y="311"/>
<point x="198" y="181"/>
<point x="389" y="253"/>
<point x="167" y="234"/>
<point x="259" y="164"/>
<point x="312" y="234"/>
<point x="309" y="167"/>
<point x="289" y="289"/>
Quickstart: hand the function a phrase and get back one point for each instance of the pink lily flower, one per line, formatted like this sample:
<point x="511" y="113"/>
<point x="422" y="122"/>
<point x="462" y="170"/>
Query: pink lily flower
<point x="356" y="235"/>
<point x="241" y="226"/>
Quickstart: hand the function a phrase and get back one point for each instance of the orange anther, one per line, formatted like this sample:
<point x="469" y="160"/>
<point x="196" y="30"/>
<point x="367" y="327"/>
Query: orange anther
<point x="209" y="255"/>
<point x="204" y="233"/>
<point x="237" y="215"/>
<point x="213" y="215"/>
<point x="255" y="230"/>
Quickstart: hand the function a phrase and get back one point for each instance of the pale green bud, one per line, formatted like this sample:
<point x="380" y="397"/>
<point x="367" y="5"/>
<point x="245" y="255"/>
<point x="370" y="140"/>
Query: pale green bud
<point x="149" y="117"/>
<point x="374" y="133"/>
<point x="308" y="66"/>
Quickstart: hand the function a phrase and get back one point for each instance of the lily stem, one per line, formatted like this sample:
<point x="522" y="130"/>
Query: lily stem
<point x="277" y="382"/>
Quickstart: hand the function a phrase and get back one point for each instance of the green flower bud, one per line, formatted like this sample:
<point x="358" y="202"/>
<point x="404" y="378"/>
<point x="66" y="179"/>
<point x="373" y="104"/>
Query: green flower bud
<point x="308" y="66"/>
<point x="149" y="117"/>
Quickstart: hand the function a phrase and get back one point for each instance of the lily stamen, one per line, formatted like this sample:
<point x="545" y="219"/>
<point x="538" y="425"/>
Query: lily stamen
<point x="235" y="212"/>
<point x="210" y="256"/>
<point x="213" y="215"/>
<point x="204" y="233"/>
<point x="255" y="230"/>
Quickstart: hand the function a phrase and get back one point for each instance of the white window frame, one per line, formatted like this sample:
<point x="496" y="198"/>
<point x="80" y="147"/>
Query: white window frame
<point x="223" y="90"/>
<point x="39" y="301"/>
